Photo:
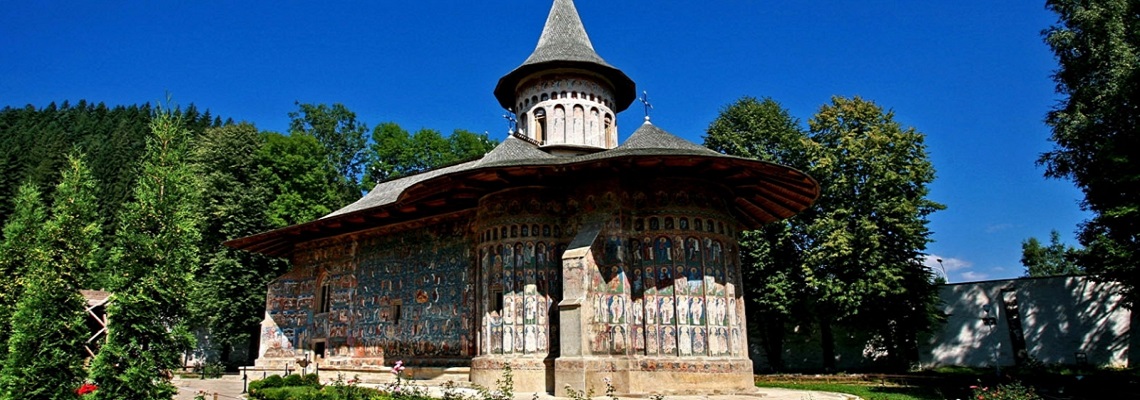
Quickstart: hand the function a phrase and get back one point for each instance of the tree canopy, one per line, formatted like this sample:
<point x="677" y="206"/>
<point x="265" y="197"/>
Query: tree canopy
<point x="1054" y="259"/>
<point x="341" y="137"/>
<point x="1094" y="129"/>
<point x="855" y="257"/>
<point x="395" y="153"/>
<point x="21" y="235"/>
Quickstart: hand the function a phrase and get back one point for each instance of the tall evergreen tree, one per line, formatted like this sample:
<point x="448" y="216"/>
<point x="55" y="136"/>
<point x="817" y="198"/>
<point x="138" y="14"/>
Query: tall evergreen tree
<point x="45" y="351"/>
<point x="16" y="250"/>
<point x="156" y="256"/>
<point x="1094" y="130"/>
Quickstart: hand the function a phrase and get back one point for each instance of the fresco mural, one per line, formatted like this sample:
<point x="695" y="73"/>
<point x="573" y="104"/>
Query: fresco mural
<point x="406" y="295"/>
<point x="520" y="253"/>
<point x="415" y="295"/>
<point x="664" y="285"/>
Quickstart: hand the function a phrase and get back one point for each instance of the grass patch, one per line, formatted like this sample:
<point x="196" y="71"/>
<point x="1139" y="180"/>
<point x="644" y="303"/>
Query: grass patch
<point x="867" y="392"/>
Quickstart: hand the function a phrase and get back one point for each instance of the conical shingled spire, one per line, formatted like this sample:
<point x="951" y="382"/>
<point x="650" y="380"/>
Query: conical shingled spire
<point x="565" y="44"/>
<point x="564" y="38"/>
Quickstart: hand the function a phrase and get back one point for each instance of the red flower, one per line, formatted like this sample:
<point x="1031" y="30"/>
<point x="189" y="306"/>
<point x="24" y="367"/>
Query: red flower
<point x="86" y="388"/>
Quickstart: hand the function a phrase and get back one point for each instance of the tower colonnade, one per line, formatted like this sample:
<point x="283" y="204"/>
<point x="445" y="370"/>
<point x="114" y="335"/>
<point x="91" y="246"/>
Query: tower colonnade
<point x="567" y="110"/>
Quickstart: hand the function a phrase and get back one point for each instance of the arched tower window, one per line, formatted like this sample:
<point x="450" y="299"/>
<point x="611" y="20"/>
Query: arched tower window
<point x="559" y="132"/>
<point x="540" y="125"/>
<point x="611" y="138"/>
<point x="577" y="134"/>
<point x="545" y="97"/>
<point x="593" y="130"/>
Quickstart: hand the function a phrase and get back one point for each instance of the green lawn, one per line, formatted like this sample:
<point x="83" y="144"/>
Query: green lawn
<point x="865" y="391"/>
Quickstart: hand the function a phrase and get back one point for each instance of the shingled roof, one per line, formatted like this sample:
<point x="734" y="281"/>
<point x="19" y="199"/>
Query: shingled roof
<point x="762" y="192"/>
<point x="565" y="44"/>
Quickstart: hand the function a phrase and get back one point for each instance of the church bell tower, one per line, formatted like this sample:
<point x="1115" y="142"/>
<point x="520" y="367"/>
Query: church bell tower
<point x="564" y="96"/>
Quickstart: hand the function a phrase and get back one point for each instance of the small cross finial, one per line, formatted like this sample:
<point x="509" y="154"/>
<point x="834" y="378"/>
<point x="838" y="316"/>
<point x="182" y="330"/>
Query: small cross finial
<point x="645" y="100"/>
<point x="512" y="123"/>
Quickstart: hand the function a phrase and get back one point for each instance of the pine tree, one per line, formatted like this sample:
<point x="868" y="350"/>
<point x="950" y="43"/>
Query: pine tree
<point x="20" y="235"/>
<point x="48" y="332"/>
<point x="156" y="255"/>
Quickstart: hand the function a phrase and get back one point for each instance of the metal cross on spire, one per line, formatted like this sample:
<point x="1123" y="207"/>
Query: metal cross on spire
<point x="645" y="100"/>
<point x="512" y="123"/>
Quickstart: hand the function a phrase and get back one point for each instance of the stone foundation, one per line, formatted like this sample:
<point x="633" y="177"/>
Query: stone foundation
<point x="652" y="375"/>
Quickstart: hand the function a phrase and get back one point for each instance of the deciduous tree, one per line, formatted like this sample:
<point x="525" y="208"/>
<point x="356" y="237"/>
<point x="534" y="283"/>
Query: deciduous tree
<point x="229" y="293"/>
<point x="395" y="153"/>
<point x="869" y="232"/>
<point x="1094" y="129"/>
<point x="772" y="261"/>
<point x="1054" y="259"/>
<point x="340" y="135"/>
<point x="853" y="259"/>
<point x="303" y="187"/>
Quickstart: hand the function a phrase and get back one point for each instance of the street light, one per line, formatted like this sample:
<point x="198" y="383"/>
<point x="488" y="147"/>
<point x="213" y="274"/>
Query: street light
<point x="944" y="275"/>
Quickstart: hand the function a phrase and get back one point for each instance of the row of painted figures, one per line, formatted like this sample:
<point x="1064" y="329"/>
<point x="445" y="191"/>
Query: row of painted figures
<point x="665" y="340"/>
<point x="665" y="310"/>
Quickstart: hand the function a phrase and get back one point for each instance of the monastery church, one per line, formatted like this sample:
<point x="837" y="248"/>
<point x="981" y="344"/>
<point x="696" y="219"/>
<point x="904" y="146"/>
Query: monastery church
<point x="560" y="252"/>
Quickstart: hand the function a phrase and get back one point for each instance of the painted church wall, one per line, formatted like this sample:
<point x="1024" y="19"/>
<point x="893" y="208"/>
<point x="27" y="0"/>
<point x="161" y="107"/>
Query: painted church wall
<point x="663" y="280"/>
<point x="397" y="295"/>
<point x="667" y="277"/>
<point x="521" y="240"/>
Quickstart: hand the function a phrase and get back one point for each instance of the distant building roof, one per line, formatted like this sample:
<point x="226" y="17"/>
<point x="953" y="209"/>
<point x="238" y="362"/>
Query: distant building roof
<point x="95" y="297"/>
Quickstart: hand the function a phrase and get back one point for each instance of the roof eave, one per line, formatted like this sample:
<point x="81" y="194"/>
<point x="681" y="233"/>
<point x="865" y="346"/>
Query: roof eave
<point x="624" y="89"/>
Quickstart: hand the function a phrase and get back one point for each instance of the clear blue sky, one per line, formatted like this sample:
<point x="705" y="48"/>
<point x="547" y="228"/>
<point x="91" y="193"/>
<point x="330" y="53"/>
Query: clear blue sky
<point x="973" y="75"/>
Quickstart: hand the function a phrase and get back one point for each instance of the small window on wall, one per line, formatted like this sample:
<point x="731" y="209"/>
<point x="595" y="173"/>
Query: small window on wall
<point x="397" y="311"/>
<point x="324" y="295"/>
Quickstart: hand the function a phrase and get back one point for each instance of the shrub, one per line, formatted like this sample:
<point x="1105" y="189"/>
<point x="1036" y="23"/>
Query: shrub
<point x="271" y="381"/>
<point x="293" y="393"/>
<point x="1008" y="391"/>
<point x="311" y="380"/>
<point x="214" y="370"/>
<point x="291" y="380"/>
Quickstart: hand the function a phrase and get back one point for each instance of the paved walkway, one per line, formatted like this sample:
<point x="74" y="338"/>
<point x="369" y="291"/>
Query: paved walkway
<point x="229" y="388"/>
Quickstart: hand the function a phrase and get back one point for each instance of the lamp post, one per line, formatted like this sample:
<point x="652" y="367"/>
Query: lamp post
<point x="944" y="275"/>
